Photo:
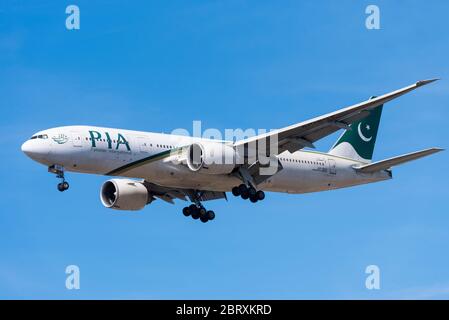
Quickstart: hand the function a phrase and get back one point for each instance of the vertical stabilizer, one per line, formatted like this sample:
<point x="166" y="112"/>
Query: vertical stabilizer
<point x="358" y="141"/>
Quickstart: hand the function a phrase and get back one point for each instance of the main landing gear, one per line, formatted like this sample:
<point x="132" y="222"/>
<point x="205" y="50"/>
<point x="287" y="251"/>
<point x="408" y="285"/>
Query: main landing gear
<point x="248" y="193"/>
<point x="59" y="171"/>
<point x="247" y="189"/>
<point x="197" y="211"/>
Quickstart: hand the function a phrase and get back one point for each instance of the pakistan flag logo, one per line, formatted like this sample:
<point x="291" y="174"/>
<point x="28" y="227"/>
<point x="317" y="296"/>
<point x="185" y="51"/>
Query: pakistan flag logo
<point x="60" y="138"/>
<point x="363" y="136"/>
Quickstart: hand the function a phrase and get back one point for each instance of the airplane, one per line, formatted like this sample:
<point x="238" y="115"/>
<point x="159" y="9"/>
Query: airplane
<point x="152" y="166"/>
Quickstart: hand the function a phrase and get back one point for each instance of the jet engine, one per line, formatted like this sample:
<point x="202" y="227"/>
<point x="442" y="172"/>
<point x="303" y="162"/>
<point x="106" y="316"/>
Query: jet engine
<point x="124" y="194"/>
<point x="211" y="158"/>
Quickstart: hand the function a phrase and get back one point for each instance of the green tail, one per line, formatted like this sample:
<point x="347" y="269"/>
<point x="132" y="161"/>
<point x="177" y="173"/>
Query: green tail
<point x="358" y="143"/>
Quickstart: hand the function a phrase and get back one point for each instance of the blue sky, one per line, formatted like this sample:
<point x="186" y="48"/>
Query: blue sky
<point x="157" y="66"/>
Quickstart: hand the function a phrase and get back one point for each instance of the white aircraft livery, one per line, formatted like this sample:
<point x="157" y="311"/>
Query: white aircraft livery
<point x="165" y="166"/>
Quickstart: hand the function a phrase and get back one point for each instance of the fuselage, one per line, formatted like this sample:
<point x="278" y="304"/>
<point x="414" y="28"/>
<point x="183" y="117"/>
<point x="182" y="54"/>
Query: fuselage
<point x="153" y="157"/>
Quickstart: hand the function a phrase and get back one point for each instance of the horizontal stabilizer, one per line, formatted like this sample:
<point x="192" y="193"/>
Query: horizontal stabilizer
<point x="388" y="163"/>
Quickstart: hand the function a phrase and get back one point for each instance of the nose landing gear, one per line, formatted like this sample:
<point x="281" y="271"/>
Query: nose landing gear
<point x="59" y="171"/>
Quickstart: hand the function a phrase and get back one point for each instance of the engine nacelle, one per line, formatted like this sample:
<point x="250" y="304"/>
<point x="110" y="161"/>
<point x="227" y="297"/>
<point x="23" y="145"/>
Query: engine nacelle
<point x="124" y="194"/>
<point x="211" y="158"/>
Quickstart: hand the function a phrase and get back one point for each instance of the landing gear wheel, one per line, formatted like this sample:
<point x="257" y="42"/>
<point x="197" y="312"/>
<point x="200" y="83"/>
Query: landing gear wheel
<point x="252" y="192"/>
<point x="194" y="211"/>
<point x="236" y="191"/>
<point x="260" y="195"/>
<point x="242" y="189"/>
<point x="253" y="199"/>
<point x="204" y="219"/>
<point x="63" y="186"/>
<point x="210" y="215"/>
<point x="186" y="211"/>
<point x="195" y="214"/>
<point x="202" y="212"/>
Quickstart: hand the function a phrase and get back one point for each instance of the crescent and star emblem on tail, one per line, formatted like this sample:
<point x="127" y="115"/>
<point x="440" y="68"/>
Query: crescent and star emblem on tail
<point x="361" y="135"/>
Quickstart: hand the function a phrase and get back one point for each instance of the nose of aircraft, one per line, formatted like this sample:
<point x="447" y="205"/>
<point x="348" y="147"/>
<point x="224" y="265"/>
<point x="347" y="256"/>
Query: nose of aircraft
<point x="26" y="147"/>
<point x="34" y="150"/>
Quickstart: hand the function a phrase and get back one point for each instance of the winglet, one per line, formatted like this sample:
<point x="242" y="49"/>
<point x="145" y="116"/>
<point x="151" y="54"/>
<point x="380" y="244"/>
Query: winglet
<point x="424" y="82"/>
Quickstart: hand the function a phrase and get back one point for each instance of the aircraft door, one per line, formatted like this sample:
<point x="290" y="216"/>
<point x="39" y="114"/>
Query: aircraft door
<point x="144" y="145"/>
<point x="77" y="139"/>
<point x="332" y="166"/>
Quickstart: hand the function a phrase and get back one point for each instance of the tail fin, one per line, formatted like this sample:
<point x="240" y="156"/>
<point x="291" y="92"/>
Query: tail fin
<point x="358" y="141"/>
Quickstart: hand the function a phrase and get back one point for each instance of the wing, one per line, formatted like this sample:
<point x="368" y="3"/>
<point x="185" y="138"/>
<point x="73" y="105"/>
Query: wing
<point x="170" y="194"/>
<point x="304" y="134"/>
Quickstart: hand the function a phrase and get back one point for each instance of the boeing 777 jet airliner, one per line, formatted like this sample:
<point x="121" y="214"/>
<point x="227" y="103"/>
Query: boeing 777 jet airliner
<point x="167" y="167"/>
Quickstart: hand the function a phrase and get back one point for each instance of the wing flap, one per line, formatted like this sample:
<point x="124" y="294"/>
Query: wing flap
<point x="169" y="194"/>
<point x="212" y="195"/>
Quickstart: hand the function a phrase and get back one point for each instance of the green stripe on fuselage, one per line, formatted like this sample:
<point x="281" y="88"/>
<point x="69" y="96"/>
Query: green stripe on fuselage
<point x="143" y="161"/>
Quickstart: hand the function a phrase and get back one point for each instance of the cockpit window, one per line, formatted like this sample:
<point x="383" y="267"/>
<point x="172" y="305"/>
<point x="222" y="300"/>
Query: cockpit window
<point x="40" y="136"/>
